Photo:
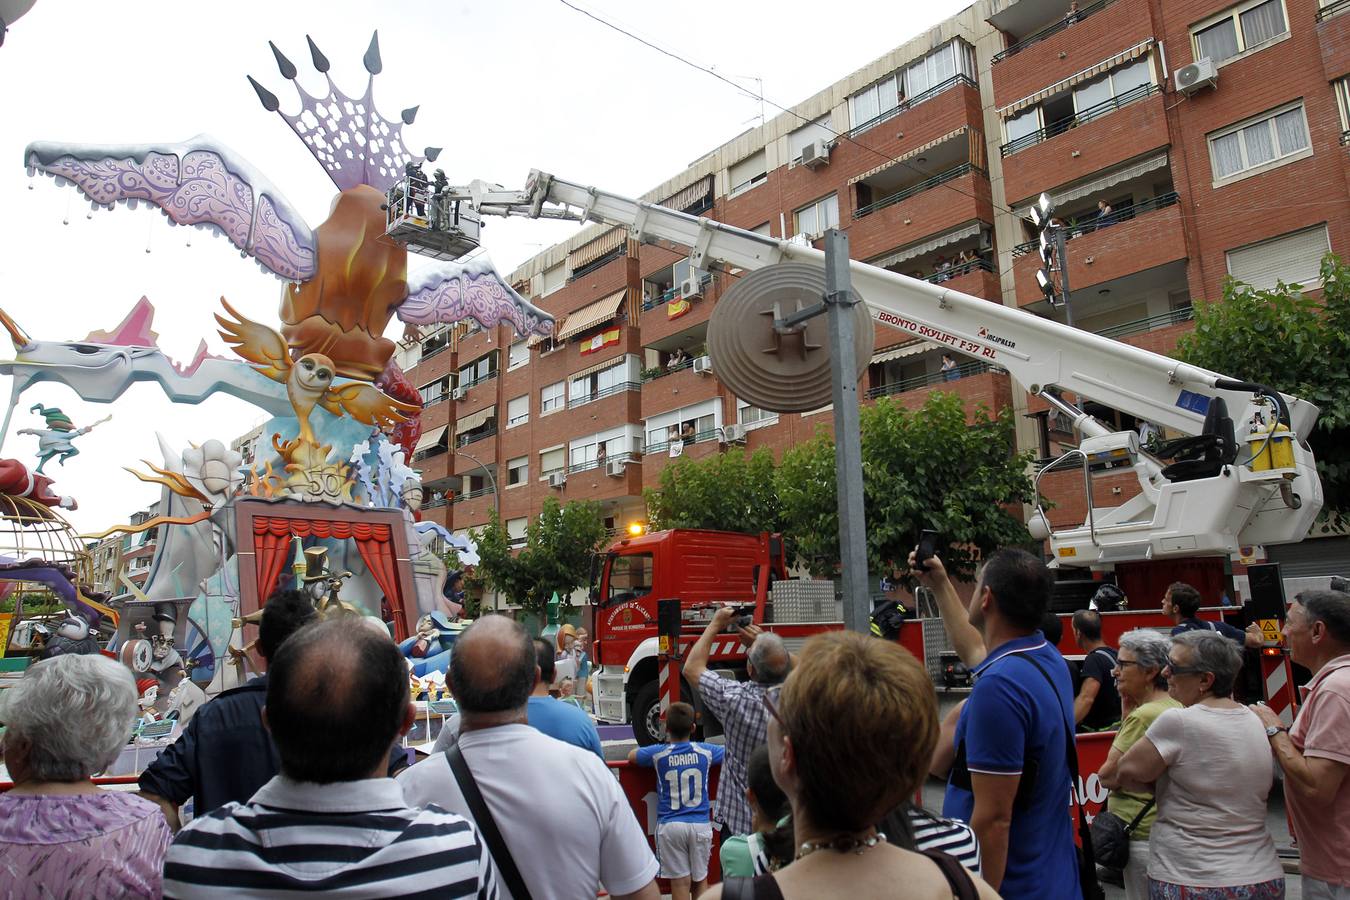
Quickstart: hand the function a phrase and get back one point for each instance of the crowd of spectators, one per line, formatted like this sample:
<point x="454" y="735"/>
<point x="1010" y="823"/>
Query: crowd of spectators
<point x="296" y="780"/>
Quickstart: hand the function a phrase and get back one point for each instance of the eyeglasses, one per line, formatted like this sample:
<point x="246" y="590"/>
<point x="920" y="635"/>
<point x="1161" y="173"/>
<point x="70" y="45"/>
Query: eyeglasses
<point x="1175" y="669"/>
<point x="1122" y="663"/>
<point x="771" y="703"/>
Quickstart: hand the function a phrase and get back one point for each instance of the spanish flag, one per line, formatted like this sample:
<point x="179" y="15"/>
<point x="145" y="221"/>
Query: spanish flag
<point x="600" y="340"/>
<point x="677" y="308"/>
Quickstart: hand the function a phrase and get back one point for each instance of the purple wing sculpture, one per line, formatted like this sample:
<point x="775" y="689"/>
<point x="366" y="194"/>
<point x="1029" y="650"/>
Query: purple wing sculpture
<point x="199" y="182"/>
<point x="453" y="291"/>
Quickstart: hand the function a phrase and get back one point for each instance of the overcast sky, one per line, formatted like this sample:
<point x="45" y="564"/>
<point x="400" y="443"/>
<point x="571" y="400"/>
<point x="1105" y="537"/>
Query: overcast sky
<point x="503" y="86"/>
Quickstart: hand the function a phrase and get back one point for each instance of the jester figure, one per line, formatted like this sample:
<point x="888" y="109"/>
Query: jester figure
<point x="56" y="439"/>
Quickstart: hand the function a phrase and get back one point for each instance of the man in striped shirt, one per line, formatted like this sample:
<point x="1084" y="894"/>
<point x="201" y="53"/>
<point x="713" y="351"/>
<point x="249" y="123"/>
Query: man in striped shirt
<point x="331" y="822"/>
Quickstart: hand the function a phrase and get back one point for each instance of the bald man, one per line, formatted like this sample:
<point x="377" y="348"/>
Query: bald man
<point x="332" y="822"/>
<point x="566" y="826"/>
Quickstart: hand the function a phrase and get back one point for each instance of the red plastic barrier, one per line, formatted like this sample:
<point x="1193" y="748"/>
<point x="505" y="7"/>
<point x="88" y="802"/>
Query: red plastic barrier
<point x="639" y="786"/>
<point x="1092" y="751"/>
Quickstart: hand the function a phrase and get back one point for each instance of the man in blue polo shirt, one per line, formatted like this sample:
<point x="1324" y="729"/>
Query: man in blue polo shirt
<point x="1011" y="778"/>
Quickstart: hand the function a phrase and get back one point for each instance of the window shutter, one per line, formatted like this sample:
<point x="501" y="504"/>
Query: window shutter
<point x="1293" y="258"/>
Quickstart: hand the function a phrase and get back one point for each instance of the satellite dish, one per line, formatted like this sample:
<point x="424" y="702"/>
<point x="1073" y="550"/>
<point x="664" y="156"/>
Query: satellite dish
<point x="780" y="372"/>
<point x="10" y="11"/>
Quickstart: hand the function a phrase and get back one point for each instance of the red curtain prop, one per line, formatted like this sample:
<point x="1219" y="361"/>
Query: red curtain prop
<point x="373" y="541"/>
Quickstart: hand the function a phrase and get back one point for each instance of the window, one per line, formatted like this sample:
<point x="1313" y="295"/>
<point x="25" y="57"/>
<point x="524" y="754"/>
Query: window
<point x="589" y="387"/>
<point x="518" y="355"/>
<point x="689" y="424"/>
<point x="553" y="460"/>
<point x="1243" y="27"/>
<point x="551" y="398"/>
<point x="630" y="577"/>
<point x="517" y="411"/>
<point x="875" y="100"/>
<point x="517" y="470"/>
<point x="480" y="369"/>
<point x="1342" y="88"/>
<point x="753" y="415"/>
<point x="515" y="532"/>
<point x="819" y="130"/>
<point x="553" y="279"/>
<point x="434" y="392"/>
<point x="1292" y="258"/>
<point x="1259" y="144"/>
<point x="1117" y="84"/>
<point x="1024" y="123"/>
<point x="814" y="218"/>
<point x="931" y="71"/>
<point x="748" y="173"/>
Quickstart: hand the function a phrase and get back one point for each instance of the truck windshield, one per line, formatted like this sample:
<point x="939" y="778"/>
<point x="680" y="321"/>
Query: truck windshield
<point x="630" y="577"/>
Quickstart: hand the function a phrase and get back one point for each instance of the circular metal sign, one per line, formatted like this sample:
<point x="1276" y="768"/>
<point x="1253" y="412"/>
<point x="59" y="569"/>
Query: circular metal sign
<point x="780" y="372"/>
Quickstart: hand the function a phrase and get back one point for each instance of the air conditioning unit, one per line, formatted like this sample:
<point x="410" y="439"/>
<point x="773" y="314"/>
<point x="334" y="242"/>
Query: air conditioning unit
<point x="615" y="468"/>
<point x="692" y="287"/>
<point x="816" y="154"/>
<point x="703" y="365"/>
<point x="1199" y="74"/>
<point x="557" y="479"/>
<point x="459" y="393"/>
<point x="733" y="434"/>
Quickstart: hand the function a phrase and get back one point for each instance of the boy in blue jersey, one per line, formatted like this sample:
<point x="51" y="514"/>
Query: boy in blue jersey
<point x="683" y="825"/>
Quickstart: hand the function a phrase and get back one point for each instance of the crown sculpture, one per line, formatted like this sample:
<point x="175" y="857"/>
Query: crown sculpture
<point x="344" y="279"/>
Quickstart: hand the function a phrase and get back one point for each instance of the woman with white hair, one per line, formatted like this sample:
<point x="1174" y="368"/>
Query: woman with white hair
<point x="1143" y="697"/>
<point x="60" y="834"/>
<point x="1209" y="766"/>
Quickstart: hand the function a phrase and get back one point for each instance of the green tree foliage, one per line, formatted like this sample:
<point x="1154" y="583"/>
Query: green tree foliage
<point x="1293" y="343"/>
<point x="732" y="491"/>
<point x="921" y="469"/>
<point x="556" y="555"/>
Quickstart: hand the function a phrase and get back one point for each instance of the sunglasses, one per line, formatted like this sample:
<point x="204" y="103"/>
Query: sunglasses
<point x="771" y="703"/>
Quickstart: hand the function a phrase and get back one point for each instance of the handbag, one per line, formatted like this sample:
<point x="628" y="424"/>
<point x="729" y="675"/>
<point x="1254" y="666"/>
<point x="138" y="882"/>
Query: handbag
<point x="487" y="826"/>
<point x="1111" y="837"/>
<point x="1087" y="859"/>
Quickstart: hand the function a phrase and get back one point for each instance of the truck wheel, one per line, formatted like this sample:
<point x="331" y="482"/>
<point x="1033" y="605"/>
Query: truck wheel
<point x="646" y="707"/>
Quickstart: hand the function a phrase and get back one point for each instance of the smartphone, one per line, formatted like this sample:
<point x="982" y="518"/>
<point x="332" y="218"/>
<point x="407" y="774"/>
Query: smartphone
<point x="745" y="617"/>
<point x="927" y="547"/>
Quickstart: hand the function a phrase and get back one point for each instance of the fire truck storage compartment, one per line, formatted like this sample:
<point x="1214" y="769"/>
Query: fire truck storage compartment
<point x="791" y="602"/>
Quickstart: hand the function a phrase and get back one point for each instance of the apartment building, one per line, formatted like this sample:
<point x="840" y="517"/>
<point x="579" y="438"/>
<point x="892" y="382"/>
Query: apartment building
<point x="1214" y="131"/>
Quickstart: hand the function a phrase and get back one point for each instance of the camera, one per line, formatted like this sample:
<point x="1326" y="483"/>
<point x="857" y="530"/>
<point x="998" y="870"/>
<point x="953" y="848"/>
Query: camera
<point x="744" y="619"/>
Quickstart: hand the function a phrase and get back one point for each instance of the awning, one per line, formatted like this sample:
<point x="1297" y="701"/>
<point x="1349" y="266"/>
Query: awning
<point x="913" y="348"/>
<point x="587" y="317"/>
<point x="431" y="438"/>
<point x="690" y="196"/>
<point x="917" y="151"/>
<point x="596" y="368"/>
<point x="1090" y="72"/>
<point x="475" y="419"/>
<point x="594" y="249"/>
<point x="1096" y="185"/>
<point x="904" y="253"/>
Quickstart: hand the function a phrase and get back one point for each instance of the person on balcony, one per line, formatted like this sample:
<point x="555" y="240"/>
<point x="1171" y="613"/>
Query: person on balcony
<point x="1104" y="217"/>
<point x="677" y="359"/>
<point x="949" y="370"/>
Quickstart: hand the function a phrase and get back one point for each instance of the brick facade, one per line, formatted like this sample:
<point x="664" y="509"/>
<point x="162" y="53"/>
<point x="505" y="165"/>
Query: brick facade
<point x="1125" y="275"/>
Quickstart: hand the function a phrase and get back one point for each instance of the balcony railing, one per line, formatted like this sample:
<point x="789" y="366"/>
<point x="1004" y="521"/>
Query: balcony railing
<point x="961" y="269"/>
<point x="473" y="495"/>
<point x="964" y="370"/>
<point x="1093" y="223"/>
<point x="1345" y="135"/>
<point x="670" y="294"/>
<point x="439" y="348"/>
<point x="435" y="504"/>
<point x="1082" y="117"/>
<point x="465" y="440"/>
<point x="607" y="392"/>
<point x="1051" y="30"/>
<point x="662" y="371"/>
<point x="596" y="463"/>
<point x="941" y="178"/>
<point x="1139" y="326"/>
<point x="1333" y="9"/>
<point x="465" y="385"/>
<point x="699" y="438"/>
<point x="910" y="103"/>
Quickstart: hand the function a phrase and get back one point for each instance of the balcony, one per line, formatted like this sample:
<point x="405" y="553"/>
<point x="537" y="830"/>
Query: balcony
<point x="1106" y="107"/>
<point x="1333" y="39"/>
<point x="964" y="370"/>
<point x="574" y="402"/>
<point x="1052" y="29"/>
<point x="1151" y="237"/>
<point x="474" y="437"/>
<point x="977" y="384"/>
<point x="900" y="196"/>
<point x="911" y="102"/>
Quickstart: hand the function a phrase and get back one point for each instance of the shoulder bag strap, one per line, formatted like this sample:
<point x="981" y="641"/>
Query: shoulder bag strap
<point x="963" y="887"/>
<point x="482" y="816"/>
<point x="1134" y="823"/>
<point x="1084" y="832"/>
